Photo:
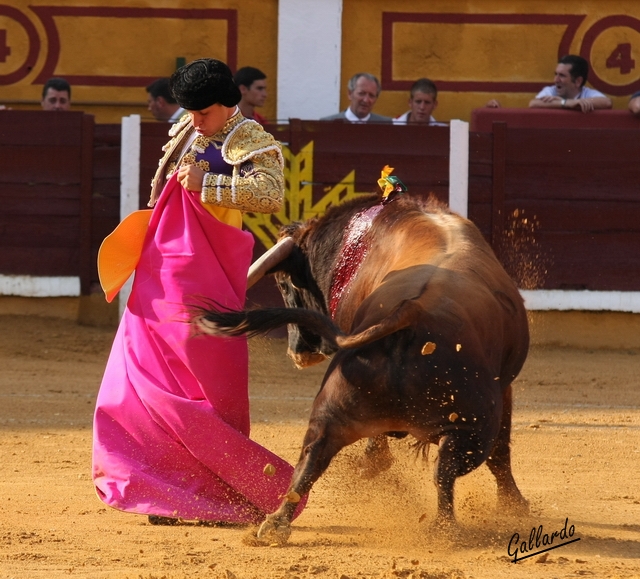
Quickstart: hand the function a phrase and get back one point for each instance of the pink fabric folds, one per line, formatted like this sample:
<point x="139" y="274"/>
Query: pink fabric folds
<point x="171" y="426"/>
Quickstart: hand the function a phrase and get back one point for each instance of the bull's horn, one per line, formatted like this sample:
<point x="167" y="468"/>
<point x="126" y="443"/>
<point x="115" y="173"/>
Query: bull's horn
<point x="269" y="259"/>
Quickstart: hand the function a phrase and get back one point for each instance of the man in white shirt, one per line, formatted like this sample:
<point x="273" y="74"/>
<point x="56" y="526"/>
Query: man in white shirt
<point x="423" y="99"/>
<point x="363" y="90"/>
<point x="569" y="90"/>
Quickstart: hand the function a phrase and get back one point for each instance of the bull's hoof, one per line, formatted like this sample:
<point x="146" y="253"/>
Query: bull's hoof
<point x="514" y="505"/>
<point x="275" y="531"/>
<point x="445" y="526"/>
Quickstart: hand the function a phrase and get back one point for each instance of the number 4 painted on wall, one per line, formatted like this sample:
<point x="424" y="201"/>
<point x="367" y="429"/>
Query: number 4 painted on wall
<point x="4" y="49"/>
<point x="621" y="58"/>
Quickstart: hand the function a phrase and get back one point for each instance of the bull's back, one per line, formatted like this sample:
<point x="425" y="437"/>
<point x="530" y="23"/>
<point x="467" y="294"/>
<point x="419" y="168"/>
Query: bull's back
<point x="415" y="239"/>
<point x="440" y="261"/>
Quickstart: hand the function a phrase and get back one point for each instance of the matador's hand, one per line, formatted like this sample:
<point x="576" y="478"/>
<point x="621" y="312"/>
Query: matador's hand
<point x="190" y="177"/>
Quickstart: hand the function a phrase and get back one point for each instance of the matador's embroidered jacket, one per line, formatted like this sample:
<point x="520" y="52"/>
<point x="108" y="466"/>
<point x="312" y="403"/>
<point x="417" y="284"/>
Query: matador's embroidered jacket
<point x="249" y="174"/>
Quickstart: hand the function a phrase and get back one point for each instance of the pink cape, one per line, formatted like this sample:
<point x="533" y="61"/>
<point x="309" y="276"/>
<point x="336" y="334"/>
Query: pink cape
<point x="171" y="426"/>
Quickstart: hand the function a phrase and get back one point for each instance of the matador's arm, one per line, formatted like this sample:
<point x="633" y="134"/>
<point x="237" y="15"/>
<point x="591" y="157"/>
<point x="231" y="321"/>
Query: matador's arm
<point x="256" y="185"/>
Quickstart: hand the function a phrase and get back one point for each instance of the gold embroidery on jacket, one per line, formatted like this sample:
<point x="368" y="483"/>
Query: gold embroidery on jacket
<point x="256" y="183"/>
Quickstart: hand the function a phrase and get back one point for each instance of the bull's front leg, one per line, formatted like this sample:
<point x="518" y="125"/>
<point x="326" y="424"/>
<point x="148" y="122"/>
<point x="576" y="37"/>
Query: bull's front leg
<point x="320" y="445"/>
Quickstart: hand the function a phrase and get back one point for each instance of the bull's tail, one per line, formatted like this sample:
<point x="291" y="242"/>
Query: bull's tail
<point x="262" y="320"/>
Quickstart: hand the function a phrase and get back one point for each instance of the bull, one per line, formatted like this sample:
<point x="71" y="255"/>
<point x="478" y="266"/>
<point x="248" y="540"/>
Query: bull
<point x="427" y="333"/>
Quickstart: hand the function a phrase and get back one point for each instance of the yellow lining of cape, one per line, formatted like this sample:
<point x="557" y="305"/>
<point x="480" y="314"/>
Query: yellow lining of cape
<point x="120" y="251"/>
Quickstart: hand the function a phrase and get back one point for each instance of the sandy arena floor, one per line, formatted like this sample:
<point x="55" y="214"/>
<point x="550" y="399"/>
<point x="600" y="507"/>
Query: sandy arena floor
<point x="576" y="452"/>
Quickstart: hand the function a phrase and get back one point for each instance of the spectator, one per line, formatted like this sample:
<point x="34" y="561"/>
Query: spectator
<point x="252" y="83"/>
<point x="569" y="90"/>
<point x="56" y="95"/>
<point x="423" y="99"/>
<point x="634" y="103"/>
<point x="363" y="90"/>
<point x="161" y="103"/>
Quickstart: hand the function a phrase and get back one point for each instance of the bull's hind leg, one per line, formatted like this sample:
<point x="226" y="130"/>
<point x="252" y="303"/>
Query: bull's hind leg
<point x="321" y="443"/>
<point x="499" y="462"/>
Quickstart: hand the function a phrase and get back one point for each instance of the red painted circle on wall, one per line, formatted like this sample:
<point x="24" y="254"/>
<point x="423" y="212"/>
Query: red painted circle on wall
<point x="34" y="45"/>
<point x="587" y="44"/>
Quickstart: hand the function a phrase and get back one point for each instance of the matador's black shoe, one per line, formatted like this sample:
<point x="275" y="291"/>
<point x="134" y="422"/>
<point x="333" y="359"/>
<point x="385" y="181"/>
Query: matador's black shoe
<point x="158" y="520"/>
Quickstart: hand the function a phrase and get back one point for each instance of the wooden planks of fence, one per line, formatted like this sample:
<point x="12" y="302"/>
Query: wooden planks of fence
<point x="560" y="206"/>
<point x="46" y="161"/>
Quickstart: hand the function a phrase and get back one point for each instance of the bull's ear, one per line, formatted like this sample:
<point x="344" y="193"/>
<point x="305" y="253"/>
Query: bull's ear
<point x="269" y="260"/>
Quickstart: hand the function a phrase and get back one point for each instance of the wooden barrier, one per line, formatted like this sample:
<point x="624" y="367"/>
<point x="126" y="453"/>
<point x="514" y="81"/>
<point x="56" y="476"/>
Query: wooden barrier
<point x="524" y="118"/>
<point x="574" y="178"/>
<point x="561" y="207"/>
<point x="105" y="210"/>
<point x="354" y="154"/>
<point x="153" y="136"/>
<point x="579" y="191"/>
<point x="46" y="160"/>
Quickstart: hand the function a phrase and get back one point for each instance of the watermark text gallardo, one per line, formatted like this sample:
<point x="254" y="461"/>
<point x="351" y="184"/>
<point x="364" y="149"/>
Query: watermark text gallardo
<point x="540" y="541"/>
